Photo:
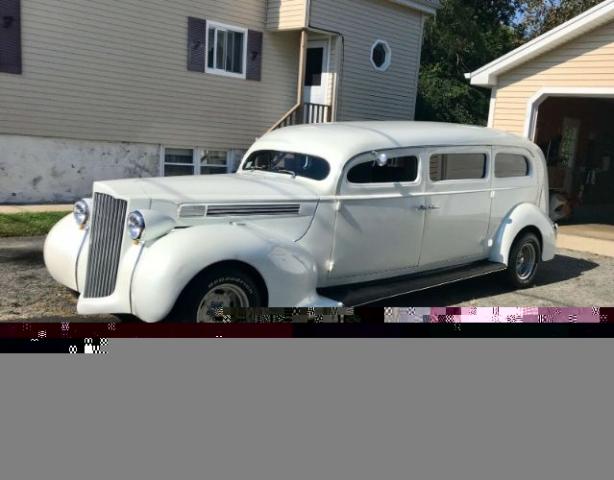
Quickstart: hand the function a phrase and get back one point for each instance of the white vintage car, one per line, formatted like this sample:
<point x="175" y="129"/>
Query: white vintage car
<point x="333" y="215"/>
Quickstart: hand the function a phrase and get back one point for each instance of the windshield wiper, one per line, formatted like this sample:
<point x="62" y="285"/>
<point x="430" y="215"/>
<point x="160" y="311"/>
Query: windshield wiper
<point x="255" y="167"/>
<point x="281" y="170"/>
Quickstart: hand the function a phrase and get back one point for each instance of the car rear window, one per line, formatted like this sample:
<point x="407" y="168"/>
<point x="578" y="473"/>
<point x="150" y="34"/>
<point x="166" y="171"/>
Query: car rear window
<point x="399" y="169"/>
<point x="457" y="166"/>
<point x="511" y="165"/>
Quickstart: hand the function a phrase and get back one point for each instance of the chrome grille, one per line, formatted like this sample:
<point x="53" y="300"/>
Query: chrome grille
<point x="106" y="233"/>
<point x="253" y="209"/>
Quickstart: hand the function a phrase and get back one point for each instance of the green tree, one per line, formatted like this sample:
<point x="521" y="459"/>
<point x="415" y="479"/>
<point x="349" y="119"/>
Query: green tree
<point x="539" y="16"/>
<point x="464" y="35"/>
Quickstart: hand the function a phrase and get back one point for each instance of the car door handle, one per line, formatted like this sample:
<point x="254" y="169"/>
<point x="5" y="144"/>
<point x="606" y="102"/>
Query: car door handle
<point x="422" y="207"/>
<point x="433" y="207"/>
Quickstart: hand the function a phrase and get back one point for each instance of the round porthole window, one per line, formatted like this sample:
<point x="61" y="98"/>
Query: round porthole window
<point x="381" y="55"/>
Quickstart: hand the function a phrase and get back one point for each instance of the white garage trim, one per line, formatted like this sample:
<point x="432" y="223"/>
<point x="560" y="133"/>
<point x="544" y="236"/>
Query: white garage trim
<point x="536" y="100"/>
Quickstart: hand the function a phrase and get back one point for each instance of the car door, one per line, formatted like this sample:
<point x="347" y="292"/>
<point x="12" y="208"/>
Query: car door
<point x="458" y="206"/>
<point x="379" y="221"/>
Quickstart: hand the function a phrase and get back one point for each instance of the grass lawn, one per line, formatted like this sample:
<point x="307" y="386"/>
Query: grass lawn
<point x="28" y="224"/>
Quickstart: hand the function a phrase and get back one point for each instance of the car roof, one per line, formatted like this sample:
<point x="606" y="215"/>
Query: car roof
<point x="339" y="141"/>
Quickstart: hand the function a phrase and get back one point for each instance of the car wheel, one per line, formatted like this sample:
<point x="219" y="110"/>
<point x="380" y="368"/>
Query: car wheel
<point x="212" y="292"/>
<point x="524" y="260"/>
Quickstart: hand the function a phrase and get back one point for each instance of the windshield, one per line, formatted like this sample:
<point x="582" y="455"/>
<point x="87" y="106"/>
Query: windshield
<point x="295" y="164"/>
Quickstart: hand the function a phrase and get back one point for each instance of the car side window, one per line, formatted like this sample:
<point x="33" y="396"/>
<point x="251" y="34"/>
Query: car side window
<point x="398" y="169"/>
<point x="511" y="165"/>
<point x="457" y="166"/>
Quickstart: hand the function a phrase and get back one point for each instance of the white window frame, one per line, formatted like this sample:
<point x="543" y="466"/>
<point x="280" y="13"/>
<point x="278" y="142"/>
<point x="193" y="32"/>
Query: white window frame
<point x="225" y="27"/>
<point x="197" y="154"/>
<point x="386" y="65"/>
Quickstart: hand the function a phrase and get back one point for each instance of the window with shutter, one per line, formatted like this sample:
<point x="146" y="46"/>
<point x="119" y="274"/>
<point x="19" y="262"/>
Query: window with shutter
<point x="10" y="36"/>
<point x="226" y="50"/>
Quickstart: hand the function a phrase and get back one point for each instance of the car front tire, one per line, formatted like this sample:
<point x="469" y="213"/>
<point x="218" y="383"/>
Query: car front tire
<point x="524" y="261"/>
<point x="213" y="292"/>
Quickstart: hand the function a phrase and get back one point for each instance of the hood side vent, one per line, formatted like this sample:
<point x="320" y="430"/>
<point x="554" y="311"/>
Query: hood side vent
<point x="192" y="211"/>
<point x="252" y="210"/>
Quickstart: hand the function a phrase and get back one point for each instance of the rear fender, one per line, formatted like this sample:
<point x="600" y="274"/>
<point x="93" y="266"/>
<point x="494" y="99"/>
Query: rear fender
<point x="523" y="216"/>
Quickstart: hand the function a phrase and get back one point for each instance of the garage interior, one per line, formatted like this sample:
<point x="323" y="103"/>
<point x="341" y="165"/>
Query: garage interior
<point x="577" y="137"/>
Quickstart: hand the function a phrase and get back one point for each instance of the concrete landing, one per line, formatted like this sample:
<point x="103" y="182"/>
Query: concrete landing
<point x="591" y="238"/>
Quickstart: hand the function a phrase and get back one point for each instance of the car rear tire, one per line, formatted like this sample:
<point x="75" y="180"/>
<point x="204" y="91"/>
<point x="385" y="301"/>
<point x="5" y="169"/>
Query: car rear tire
<point x="214" y="291"/>
<point x="524" y="261"/>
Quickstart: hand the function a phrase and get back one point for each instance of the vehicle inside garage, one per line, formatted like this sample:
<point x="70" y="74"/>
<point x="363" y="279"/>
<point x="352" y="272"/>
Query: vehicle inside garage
<point x="577" y="137"/>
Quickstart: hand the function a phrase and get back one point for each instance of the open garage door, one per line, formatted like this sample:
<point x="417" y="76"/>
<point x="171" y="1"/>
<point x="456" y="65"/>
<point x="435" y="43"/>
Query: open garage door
<point x="577" y="137"/>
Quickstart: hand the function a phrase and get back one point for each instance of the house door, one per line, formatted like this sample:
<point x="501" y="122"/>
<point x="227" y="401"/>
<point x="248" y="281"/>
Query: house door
<point x="316" y="73"/>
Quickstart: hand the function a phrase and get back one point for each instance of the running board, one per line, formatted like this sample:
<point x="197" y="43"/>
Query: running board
<point x="358" y="294"/>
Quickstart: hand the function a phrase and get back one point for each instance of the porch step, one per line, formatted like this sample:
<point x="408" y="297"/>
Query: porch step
<point x="358" y="294"/>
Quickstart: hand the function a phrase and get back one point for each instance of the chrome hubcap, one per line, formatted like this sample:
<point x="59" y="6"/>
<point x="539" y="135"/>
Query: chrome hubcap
<point x="218" y="298"/>
<point x="526" y="261"/>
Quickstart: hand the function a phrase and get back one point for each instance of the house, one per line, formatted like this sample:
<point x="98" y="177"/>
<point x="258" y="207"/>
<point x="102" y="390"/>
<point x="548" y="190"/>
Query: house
<point x="106" y="89"/>
<point x="558" y="90"/>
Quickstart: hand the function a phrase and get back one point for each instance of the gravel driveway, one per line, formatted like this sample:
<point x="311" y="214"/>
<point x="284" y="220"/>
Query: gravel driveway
<point x="27" y="292"/>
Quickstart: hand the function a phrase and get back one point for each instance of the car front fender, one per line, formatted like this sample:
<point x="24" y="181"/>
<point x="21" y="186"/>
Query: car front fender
<point x="168" y="264"/>
<point x="520" y="217"/>
<point x="61" y="251"/>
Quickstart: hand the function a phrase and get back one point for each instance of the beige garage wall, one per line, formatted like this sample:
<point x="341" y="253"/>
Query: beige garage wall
<point x="587" y="61"/>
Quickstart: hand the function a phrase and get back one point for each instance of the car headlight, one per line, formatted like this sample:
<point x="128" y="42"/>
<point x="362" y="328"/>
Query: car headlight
<point x="136" y="225"/>
<point x="81" y="212"/>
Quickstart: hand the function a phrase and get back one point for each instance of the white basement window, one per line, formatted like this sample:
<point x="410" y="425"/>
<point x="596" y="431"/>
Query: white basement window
<point x="194" y="161"/>
<point x="226" y="50"/>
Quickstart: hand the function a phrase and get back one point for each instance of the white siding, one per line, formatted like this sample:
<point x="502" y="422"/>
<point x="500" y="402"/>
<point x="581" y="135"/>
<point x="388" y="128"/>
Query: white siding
<point x="363" y="92"/>
<point x="116" y="71"/>
<point x="286" y="14"/>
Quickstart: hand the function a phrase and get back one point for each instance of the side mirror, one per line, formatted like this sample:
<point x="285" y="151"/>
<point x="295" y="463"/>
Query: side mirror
<point x="381" y="159"/>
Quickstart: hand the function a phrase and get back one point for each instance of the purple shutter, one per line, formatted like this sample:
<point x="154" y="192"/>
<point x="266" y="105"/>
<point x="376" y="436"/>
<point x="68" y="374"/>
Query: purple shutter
<point x="197" y="31"/>
<point x="10" y="36"/>
<point x="254" y="55"/>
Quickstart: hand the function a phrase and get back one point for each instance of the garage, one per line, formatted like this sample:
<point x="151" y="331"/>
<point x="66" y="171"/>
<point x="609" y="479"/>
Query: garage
<point x="577" y="137"/>
<point x="558" y="90"/>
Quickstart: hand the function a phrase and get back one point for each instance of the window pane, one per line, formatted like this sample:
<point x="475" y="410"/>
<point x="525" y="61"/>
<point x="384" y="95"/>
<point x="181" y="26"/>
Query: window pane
<point x="379" y="55"/>
<point x="177" y="170"/>
<point x="214" y="157"/>
<point x="230" y="39"/>
<point x="211" y="48"/>
<point x="400" y="169"/>
<point x="237" y="57"/>
<point x="457" y="166"/>
<point x="221" y="45"/>
<point x="313" y="71"/>
<point x="178" y="155"/>
<point x="510" y="165"/>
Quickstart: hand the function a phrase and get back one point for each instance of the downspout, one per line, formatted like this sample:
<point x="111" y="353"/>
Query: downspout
<point x="301" y="68"/>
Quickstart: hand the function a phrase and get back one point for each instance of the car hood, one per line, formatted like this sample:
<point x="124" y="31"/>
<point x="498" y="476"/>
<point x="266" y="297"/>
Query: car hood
<point x="255" y="186"/>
